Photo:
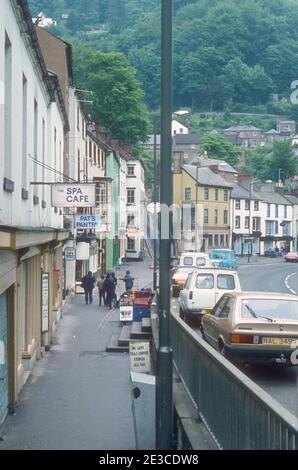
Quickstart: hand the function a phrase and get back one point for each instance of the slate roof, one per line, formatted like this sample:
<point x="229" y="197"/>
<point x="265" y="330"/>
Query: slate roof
<point x="188" y="139"/>
<point x="206" y="177"/>
<point x="222" y="165"/>
<point x="242" y="128"/>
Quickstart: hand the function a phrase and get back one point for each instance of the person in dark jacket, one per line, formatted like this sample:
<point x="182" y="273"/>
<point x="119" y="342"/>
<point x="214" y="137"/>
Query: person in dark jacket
<point x="128" y="281"/>
<point x="88" y="283"/>
<point x="109" y="288"/>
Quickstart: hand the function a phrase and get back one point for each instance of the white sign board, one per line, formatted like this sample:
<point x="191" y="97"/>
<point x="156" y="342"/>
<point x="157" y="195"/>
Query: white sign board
<point x="45" y="302"/>
<point x="126" y="313"/>
<point x="73" y="195"/>
<point x="2" y="353"/>
<point x="139" y="352"/>
<point x="85" y="221"/>
<point x="69" y="253"/>
<point x="152" y="208"/>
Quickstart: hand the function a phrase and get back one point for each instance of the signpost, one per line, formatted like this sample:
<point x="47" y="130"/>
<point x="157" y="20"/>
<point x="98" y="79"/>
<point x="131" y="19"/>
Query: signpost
<point x="139" y="352"/>
<point x="45" y="302"/>
<point x="73" y="195"/>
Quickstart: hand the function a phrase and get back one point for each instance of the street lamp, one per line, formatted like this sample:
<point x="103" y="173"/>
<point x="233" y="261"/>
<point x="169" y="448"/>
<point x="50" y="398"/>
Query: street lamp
<point x="164" y="374"/>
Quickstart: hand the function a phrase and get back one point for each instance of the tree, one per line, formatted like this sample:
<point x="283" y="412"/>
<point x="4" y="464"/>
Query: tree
<point x="219" y="148"/>
<point x="118" y="104"/>
<point x="283" y="159"/>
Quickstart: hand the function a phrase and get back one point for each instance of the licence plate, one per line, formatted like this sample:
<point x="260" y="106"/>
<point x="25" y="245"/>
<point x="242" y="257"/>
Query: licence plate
<point x="290" y="342"/>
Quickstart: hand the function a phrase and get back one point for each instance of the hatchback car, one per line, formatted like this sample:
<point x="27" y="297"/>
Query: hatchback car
<point x="291" y="257"/>
<point x="203" y="288"/>
<point x="223" y="258"/>
<point x="254" y="327"/>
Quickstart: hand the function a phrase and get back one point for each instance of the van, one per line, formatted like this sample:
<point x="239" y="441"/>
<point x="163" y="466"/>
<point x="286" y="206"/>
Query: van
<point x="203" y="288"/>
<point x="194" y="259"/>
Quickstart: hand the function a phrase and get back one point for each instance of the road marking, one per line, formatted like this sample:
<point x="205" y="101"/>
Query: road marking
<point x="288" y="285"/>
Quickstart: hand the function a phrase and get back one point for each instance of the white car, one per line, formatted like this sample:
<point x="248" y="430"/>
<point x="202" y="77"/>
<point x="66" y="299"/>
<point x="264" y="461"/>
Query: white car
<point x="203" y="289"/>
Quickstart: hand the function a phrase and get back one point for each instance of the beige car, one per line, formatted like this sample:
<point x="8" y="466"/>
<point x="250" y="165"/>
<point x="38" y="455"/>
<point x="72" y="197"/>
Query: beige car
<point x="179" y="279"/>
<point x="254" y="327"/>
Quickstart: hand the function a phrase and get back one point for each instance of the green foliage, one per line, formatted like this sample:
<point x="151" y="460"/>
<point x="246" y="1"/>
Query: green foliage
<point x="265" y="162"/>
<point x="227" y="53"/>
<point x="221" y="149"/>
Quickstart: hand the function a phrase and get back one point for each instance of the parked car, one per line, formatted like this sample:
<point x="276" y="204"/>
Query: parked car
<point x="179" y="279"/>
<point x="194" y="259"/>
<point x="291" y="257"/>
<point x="223" y="258"/>
<point x="254" y="327"/>
<point x="203" y="288"/>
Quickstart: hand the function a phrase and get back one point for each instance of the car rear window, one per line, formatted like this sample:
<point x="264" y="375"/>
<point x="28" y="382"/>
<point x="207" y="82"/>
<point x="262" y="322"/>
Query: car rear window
<point x="270" y="309"/>
<point x="205" y="281"/>
<point x="187" y="261"/>
<point x="225" y="281"/>
<point x="201" y="261"/>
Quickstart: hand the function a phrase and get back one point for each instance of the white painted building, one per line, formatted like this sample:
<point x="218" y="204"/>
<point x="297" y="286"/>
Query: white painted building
<point x="135" y="209"/>
<point x="178" y="128"/>
<point x="33" y="121"/>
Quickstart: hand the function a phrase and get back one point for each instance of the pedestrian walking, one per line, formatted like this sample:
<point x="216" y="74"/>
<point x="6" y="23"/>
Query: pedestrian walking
<point x="128" y="281"/>
<point x="101" y="291"/>
<point x="88" y="284"/>
<point x="114" y="295"/>
<point x="109" y="288"/>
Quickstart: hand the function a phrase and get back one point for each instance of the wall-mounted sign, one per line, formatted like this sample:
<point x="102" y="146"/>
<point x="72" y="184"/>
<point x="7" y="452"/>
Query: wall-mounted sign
<point x="73" y="195"/>
<point x="126" y="313"/>
<point x="45" y="302"/>
<point x="152" y="208"/>
<point x="85" y="221"/>
<point x="69" y="253"/>
<point x="132" y="231"/>
<point x="139" y="352"/>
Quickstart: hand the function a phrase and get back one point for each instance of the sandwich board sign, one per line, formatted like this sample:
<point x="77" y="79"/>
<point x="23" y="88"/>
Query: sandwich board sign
<point x="126" y="313"/>
<point x="139" y="352"/>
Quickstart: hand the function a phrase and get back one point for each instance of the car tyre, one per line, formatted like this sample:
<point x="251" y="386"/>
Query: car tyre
<point x="181" y="314"/>
<point x="221" y="348"/>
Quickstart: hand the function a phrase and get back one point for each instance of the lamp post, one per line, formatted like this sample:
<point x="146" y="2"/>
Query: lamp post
<point x="249" y="245"/>
<point x="155" y="211"/>
<point x="164" y="374"/>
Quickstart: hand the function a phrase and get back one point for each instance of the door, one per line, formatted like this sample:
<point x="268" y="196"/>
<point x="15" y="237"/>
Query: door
<point x="204" y="291"/>
<point x="3" y="356"/>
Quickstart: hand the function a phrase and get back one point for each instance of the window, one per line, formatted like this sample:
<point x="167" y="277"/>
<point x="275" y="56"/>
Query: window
<point x="268" y="210"/>
<point x="8" y="108"/>
<point x="237" y="204"/>
<point x="205" y="281"/>
<point x="206" y="194"/>
<point x="237" y="221"/>
<point x="225" y="217"/>
<point x="227" y="308"/>
<point x="216" y="194"/>
<point x="187" y="261"/>
<point x="276" y="227"/>
<point x="131" y="196"/>
<point x="247" y="204"/>
<point x="225" y="281"/>
<point x="131" y="244"/>
<point x="216" y="241"/>
<point x="276" y="210"/>
<point x="285" y="212"/>
<point x="219" y="307"/>
<point x="206" y="216"/>
<point x="130" y="170"/>
<point x="100" y="194"/>
<point x="24" y="132"/>
<point x="215" y="216"/>
<point x="187" y="194"/>
<point x="201" y="261"/>
<point x="256" y="224"/>
<point x="256" y="205"/>
<point x="287" y="229"/>
<point x="226" y="194"/>
<point x="130" y="220"/>
<point x="247" y="222"/>
<point x="222" y="241"/>
<point x="210" y="241"/>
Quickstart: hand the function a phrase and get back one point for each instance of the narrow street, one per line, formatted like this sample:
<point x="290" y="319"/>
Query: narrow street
<point x="78" y="396"/>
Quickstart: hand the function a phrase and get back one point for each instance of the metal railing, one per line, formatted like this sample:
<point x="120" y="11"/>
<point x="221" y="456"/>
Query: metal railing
<point x="237" y="412"/>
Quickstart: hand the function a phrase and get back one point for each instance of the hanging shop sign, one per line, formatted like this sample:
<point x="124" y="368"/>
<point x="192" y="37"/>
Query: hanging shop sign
<point x="73" y="195"/>
<point x="85" y="221"/>
<point x="69" y="253"/>
<point x="45" y="302"/>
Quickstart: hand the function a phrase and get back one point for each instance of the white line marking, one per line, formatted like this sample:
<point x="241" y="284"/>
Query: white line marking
<point x="105" y="320"/>
<point x="288" y="285"/>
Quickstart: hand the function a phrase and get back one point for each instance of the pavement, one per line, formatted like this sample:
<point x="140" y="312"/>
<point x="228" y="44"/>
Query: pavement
<point x="78" y="396"/>
<point x="258" y="260"/>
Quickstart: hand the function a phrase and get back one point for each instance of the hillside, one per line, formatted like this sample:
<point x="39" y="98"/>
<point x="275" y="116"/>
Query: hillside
<point x="228" y="54"/>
